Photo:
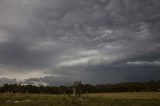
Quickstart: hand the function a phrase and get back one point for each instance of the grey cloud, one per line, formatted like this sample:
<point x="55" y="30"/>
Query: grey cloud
<point x="74" y="37"/>
<point x="7" y="81"/>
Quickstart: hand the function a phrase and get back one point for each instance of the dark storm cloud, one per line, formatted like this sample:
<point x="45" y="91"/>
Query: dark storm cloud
<point x="95" y="40"/>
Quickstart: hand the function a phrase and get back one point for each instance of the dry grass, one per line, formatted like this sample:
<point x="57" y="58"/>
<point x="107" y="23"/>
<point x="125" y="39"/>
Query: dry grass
<point x="131" y="95"/>
<point x="102" y="99"/>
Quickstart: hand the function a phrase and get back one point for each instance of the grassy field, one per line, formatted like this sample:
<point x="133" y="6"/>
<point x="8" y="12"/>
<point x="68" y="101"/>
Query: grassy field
<point x="105" y="99"/>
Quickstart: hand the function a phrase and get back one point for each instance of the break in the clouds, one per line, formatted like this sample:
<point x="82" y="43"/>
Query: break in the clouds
<point x="95" y="41"/>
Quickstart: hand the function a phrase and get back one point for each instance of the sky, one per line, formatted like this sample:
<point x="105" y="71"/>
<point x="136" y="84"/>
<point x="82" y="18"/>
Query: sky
<point x="94" y="41"/>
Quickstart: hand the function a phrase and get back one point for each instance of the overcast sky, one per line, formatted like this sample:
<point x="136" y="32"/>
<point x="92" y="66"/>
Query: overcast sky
<point x="95" y="41"/>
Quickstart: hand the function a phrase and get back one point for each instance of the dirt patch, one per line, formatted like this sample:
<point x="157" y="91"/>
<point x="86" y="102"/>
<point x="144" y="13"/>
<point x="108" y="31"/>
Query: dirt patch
<point x="16" y="101"/>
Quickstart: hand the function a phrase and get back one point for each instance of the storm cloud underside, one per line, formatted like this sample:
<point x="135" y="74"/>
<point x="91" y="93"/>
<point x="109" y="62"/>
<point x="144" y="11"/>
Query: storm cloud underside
<point x="95" y="41"/>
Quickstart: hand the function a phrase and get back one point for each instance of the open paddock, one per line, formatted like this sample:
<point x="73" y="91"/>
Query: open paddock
<point x="102" y="99"/>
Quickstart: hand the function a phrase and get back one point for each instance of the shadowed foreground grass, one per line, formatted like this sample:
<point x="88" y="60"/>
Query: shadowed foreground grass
<point x="105" y="99"/>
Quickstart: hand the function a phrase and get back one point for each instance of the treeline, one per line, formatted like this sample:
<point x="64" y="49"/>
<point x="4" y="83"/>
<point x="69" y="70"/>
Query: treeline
<point x="79" y="88"/>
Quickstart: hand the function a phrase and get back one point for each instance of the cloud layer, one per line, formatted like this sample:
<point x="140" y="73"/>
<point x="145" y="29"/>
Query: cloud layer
<point x="96" y="41"/>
